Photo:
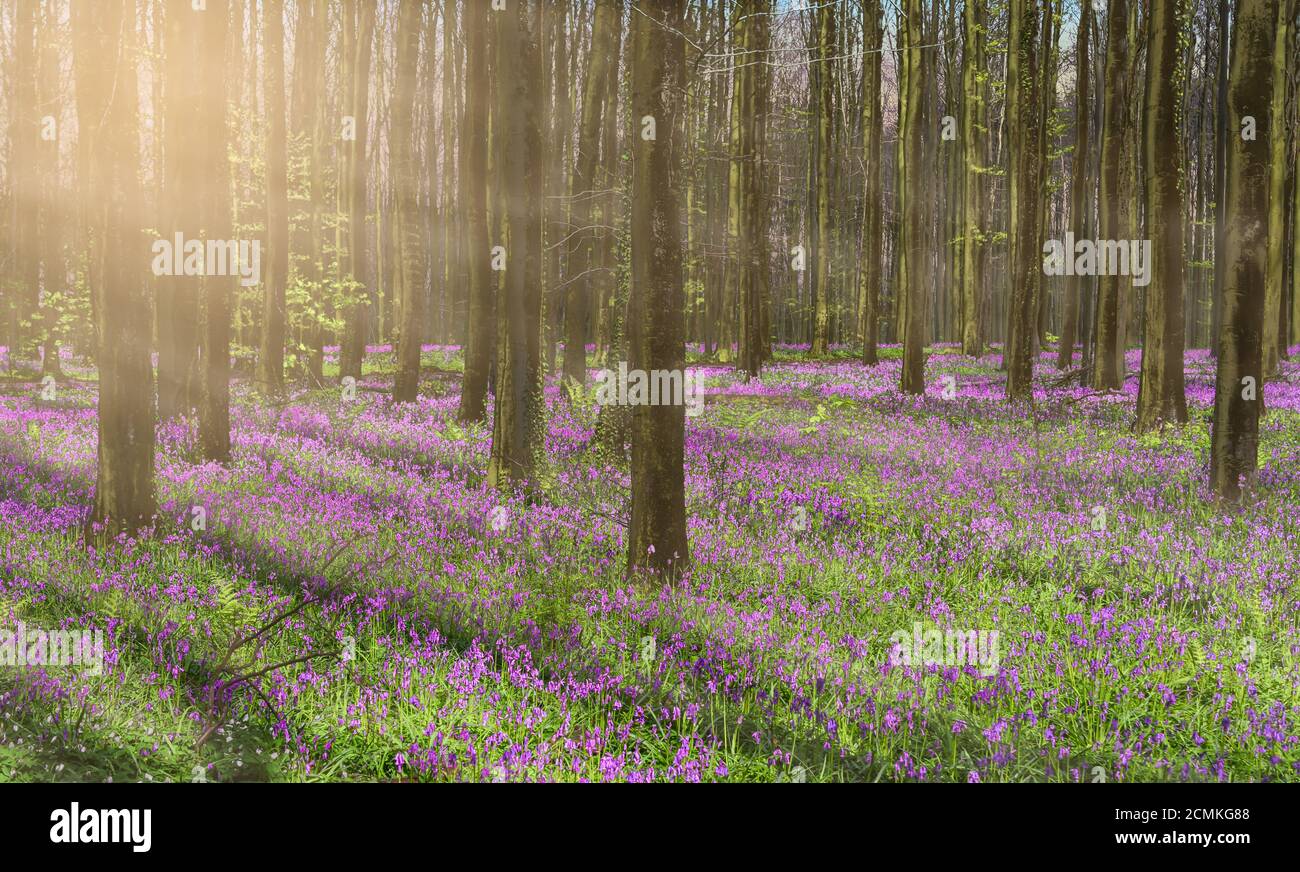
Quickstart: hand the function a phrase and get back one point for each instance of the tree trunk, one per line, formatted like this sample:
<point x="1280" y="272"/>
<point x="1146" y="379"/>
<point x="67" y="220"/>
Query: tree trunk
<point x="749" y="259"/>
<point x="604" y="56"/>
<point x="913" y="251"/>
<point x="270" y="371"/>
<point x="218" y="290"/>
<point x="1274" y="338"/>
<point x="1026" y="274"/>
<point x="406" y="386"/>
<point x="656" y="307"/>
<point x="1107" y="375"/>
<point x="517" y="414"/>
<point x="1081" y="188"/>
<point x="1161" y="397"/>
<point x="107" y="102"/>
<point x="872" y="228"/>
<point x="356" y="319"/>
<point x="974" y="118"/>
<point x="1238" y="390"/>
<point x="822" y="84"/>
<point x="474" y="148"/>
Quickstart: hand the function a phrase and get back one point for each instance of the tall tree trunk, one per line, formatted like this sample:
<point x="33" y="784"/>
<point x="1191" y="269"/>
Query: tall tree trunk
<point x="362" y="16"/>
<point x="517" y="413"/>
<point x="323" y="309"/>
<point x="474" y="148"/>
<point x="1238" y="389"/>
<point x="182" y="174"/>
<point x="218" y="290"/>
<point x="1161" y="396"/>
<point x="1023" y="110"/>
<point x="557" y="227"/>
<point x="595" y="94"/>
<point x="107" y="106"/>
<point x="23" y="132"/>
<point x="749" y="258"/>
<point x="51" y="199"/>
<point x="1080" y="187"/>
<point x="974" y="119"/>
<point x="1107" y="375"/>
<point x="873" y="229"/>
<point x="1221" y="177"/>
<point x="915" y="289"/>
<point x="270" y="361"/>
<point x="1274" y="338"/>
<point x="822" y="83"/>
<point x="656" y="308"/>
<point x="406" y="386"/>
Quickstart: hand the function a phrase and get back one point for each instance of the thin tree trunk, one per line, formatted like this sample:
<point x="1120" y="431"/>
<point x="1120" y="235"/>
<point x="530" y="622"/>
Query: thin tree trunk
<point x="974" y="118"/>
<point x="218" y="290"/>
<point x="357" y="317"/>
<point x="410" y="242"/>
<point x="474" y="147"/>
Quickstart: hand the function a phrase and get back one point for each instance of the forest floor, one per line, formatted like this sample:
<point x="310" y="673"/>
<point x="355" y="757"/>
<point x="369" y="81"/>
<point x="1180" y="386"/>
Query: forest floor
<point x="358" y="606"/>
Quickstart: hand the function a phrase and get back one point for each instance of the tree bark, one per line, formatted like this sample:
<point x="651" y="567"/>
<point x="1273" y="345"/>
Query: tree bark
<point x="873" y="229"/>
<point x="1161" y="397"/>
<point x="270" y="371"/>
<point x="1238" y="389"/>
<point x="1107" y="375"/>
<point x="474" y="146"/>
<point x="656" y="307"/>
<point x="974" y="119"/>
<point x="406" y="386"/>
<point x="107" y="106"/>
<point x="517" y="413"/>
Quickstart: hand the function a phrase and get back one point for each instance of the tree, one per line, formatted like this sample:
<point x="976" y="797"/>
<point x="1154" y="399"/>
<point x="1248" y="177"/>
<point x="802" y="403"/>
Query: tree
<point x="359" y="18"/>
<point x="270" y="360"/>
<point x="822" y="95"/>
<point x="23" y="131"/>
<point x="1080" y="185"/>
<point x="51" y="200"/>
<point x="595" y="100"/>
<point x="872" y="133"/>
<point x="1238" y="384"/>
<point x="1161" y="397"/>
<point x="749" y="167"/>
<point x="656" y="307"/>
<point x="106" y="88"/>
<point x="178" y="295"/>
<point x="406" y="387"/>
<point x="1220" y="177"/>
<point x="913" y="250"/>
<point x="1023" y="115"/>
<point x="218" y="290"/>
<point x="1283" y="60"/>
<point x="1107" y="375"/>
<point x="474" y="147"/>
<point x="974" y="120"/>
<point x="517" y="411"/>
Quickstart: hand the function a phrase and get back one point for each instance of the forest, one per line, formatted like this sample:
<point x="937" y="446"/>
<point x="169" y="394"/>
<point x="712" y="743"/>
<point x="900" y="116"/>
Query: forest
<point x="650" y="391"/>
